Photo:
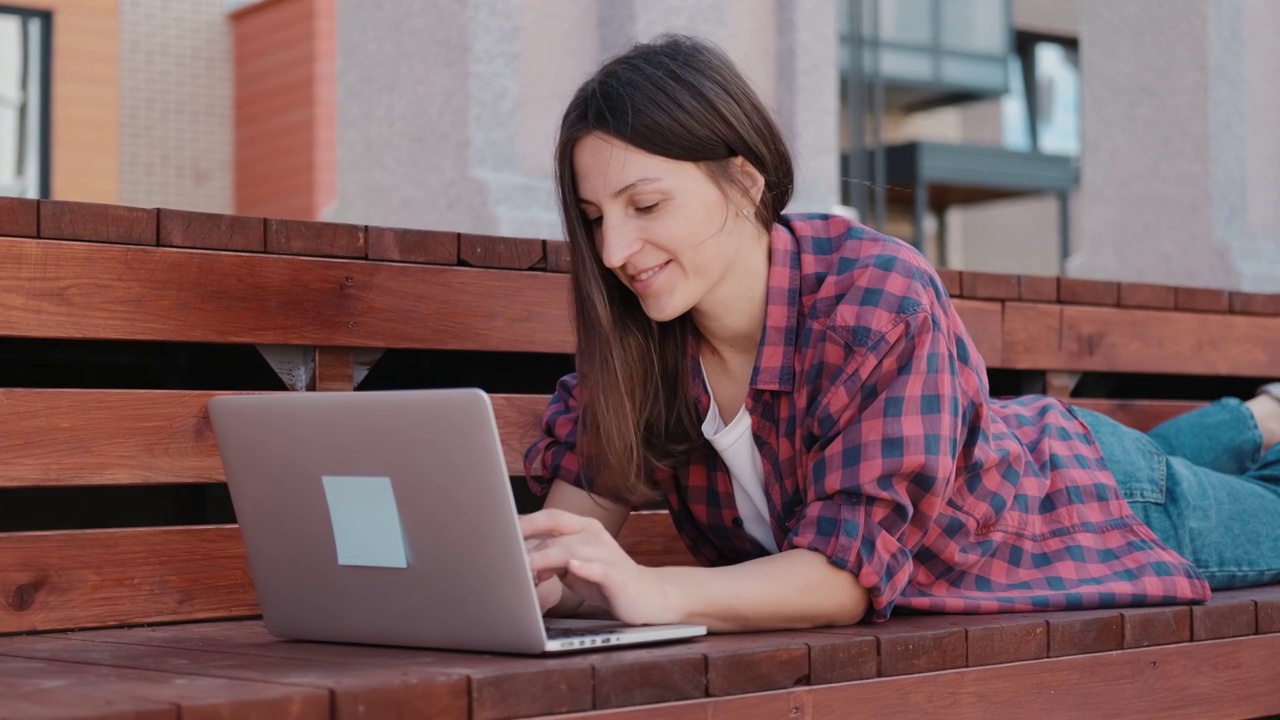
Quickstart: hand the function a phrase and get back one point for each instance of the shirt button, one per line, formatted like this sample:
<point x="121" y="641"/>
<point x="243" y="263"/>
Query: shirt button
<point x="737" y="522"/>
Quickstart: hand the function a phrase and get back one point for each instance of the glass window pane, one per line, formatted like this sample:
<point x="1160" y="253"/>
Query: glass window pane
<point x="900" y="64"/>
<point x="977" y="26"/>
<point x="975" y="72"/>
<point x="12" y="62"/>
<point x="1057" y="99"/>
<point x="902" y="22"/>
<point x="1015" y="116"/>
<point x="10" y="141"/>
<point x="11" y="52"/>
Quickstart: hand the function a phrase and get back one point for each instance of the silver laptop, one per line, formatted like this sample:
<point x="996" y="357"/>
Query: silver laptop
<point x="388" y="518"/>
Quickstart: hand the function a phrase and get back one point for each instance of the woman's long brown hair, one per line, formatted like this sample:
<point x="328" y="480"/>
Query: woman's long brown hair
<point x="683" y="99"/>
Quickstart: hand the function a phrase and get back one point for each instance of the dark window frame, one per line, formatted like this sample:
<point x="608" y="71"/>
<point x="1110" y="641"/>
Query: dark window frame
<point x="44" y="153"/>
<point x="1024" y="47"/>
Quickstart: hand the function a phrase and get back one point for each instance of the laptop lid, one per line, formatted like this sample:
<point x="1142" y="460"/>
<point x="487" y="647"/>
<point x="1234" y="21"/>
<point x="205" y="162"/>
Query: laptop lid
<point x="379" y="517"/>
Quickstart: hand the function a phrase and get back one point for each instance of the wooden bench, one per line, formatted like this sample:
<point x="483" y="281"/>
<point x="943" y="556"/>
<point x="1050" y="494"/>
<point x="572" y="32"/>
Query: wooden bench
<point x="115" y="535"/>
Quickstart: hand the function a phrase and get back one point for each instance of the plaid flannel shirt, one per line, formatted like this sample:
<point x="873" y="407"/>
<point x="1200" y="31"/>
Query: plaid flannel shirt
<point x="883" y="451"/>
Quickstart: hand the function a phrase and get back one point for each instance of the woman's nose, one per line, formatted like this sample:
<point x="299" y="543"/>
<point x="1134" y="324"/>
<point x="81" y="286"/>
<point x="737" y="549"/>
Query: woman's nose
<point x="617" y="244"/>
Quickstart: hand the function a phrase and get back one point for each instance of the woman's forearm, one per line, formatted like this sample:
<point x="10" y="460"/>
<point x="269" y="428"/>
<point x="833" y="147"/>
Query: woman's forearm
<point x="793" y="589"/>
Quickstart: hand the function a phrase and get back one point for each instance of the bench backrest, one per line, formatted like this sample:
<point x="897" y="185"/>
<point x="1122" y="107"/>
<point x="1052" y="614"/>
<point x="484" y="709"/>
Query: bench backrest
<point x="331" y="296"/>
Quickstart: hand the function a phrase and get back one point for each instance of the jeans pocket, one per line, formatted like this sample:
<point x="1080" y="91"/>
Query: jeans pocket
<point x="1137" y="463"/>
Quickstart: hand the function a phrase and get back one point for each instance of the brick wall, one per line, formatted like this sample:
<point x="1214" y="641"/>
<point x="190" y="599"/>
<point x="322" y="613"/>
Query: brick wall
<point x="176" y="115"/>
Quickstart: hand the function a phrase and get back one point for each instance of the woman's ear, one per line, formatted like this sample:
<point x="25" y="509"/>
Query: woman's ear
<point x="750" y="178"/>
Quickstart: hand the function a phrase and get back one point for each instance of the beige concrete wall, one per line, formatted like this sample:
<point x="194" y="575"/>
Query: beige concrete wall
<point x="176" y="111"/>
<point x="1180" y="110"/>
<point x="447" y="113"/>
<point x="85" y="98"/>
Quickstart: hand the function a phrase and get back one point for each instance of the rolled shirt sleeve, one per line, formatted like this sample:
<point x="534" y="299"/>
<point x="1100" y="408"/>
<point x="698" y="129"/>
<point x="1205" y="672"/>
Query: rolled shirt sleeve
<point x="888" y="431"/>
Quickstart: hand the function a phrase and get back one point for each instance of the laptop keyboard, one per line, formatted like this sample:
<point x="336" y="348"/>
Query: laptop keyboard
<point x="563" y="633"/>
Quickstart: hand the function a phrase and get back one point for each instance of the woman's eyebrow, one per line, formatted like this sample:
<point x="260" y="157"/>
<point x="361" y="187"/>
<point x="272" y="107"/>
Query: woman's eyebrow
<point x="622" y="191"/>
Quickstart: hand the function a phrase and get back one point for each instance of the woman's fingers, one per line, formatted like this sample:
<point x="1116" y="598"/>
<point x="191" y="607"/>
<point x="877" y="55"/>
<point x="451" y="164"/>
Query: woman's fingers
<point x="556" y="522"/>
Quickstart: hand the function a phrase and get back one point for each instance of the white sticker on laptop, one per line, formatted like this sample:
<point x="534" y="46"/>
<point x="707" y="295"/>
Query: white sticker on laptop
<point x="366" y="524"/>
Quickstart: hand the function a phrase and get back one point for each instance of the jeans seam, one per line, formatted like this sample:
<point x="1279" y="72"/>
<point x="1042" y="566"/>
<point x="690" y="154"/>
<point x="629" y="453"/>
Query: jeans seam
<point x="1255" y="434"/>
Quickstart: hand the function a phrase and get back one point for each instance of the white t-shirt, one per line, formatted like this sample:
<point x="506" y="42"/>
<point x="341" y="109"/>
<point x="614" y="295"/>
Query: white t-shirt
<point x="738" y="450"/>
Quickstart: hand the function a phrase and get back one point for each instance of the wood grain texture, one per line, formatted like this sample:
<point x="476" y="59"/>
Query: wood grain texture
<point x="988" y="286"/>
<point x="1267" y="600"/>
<point x="1146" y="295"/>
<point x="95" y="578"/>
<point x="1038" y="288"/>
<point x="1080" y="632"/>
<point x="1228" y="614"/>
<point x="913" y="644"/>
<point x="95" y="222"/>
<point x="194" y="696"/>
<point x="650" y="538"/>
<point x="334" y="370"/>
<point x="80" y="291"/>
<point x="1088" y="292"/>
<point x="984" y="319"/>
<point x="58" y="704"/>
<point x="754" y="663"/>
<point x="19" y="217"/>
<point x="1138" y="341"/>
<point x="431" y="247"/>
<point x="211" y="231"/>
<point x="320" y="239"/>
<point x="1140" y="414"/>
<point x="559" y="257"/>
<point x="648" y="676"/>
<point x="1202" y="300"/>
<point x="1255" y="303"/>
<point x="1152" y="682"/>
<point x="106" y="437"/>
<point x="358" y="688"/>
<point x="1146" y="627"/>
<point x="951" y="280"/>
<point x="489" y="251"/>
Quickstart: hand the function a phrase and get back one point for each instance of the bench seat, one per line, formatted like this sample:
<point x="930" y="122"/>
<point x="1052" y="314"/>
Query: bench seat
<point x="1164" y="661"/>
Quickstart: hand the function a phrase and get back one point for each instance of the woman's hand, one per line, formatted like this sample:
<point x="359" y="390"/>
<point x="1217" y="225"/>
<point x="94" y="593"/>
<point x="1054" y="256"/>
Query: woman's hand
<point x="580" y="553"/>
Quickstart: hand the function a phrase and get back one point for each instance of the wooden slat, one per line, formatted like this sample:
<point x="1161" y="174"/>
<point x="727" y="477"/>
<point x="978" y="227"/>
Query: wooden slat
<point x="431" y="247"/>
<point x="1140" y="414"/>
<point x="101" y="578"/>
<point x="211" y="231"/>
<point x="1182" y="681"/>
<point x="984" y="319"/>
<point x="1038" y="288"/>
<point x="96" y="578"/>
<point x="19" y="216"/>
<point x="305" y="237"/>
<point x="1052" y="337"/>
<point x="1226" y="615"/>
<point x="94" y="222"/>
<point x="951" y="281"/>
<point x="910" y="645"/>
<point x="75" y="290"/>
<point x="1146" y="627"/>
<point x="650" y="538"/>
<point x="1202" y="300"/>
<point x="1146" y="295"/>
<point x="334" y="369"/>
<point x="489" y="251"/>
<point x="559" y="259"/>
<point x="88" y="685"/>
<point x="1088" y="292"/>
<point x="1080" y="632"/>
<point x="1267" y="600"/>
<point x="988" y="286"/>
<point x="746" y="664"/>
<point x="106" y="437"/>
<point x="1255" y="303"/>
<point x="359" y="689"/>
<point x="57" y="704"/>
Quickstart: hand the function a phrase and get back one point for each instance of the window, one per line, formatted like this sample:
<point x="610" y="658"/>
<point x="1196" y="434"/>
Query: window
<point x="24" y="102"/>
<point x="1041" y="111"/>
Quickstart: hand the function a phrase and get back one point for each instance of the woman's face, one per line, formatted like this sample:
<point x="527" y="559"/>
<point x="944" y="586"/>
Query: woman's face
<point x="663" y="226"/>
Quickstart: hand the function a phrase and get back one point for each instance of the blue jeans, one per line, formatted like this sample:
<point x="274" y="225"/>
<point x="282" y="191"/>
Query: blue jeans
<point x="1201" y="482"/>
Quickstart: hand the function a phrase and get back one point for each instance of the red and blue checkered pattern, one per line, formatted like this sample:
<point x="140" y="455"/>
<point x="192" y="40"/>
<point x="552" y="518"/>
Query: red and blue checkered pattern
<point x="883" y="451"/>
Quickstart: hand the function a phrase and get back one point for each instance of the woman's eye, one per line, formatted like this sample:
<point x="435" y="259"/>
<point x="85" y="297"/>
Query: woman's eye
<point x="595" y="222"/>
<point x="647" y="209"/>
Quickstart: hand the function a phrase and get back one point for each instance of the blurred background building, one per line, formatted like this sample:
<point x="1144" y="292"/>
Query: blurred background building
<point x="1122" y="140"/>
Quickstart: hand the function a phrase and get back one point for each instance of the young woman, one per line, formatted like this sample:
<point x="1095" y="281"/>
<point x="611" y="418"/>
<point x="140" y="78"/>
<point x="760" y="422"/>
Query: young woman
<point x="803" y="395"/>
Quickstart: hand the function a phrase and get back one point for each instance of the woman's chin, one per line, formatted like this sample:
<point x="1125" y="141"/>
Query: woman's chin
<point x="663" y="311"/>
